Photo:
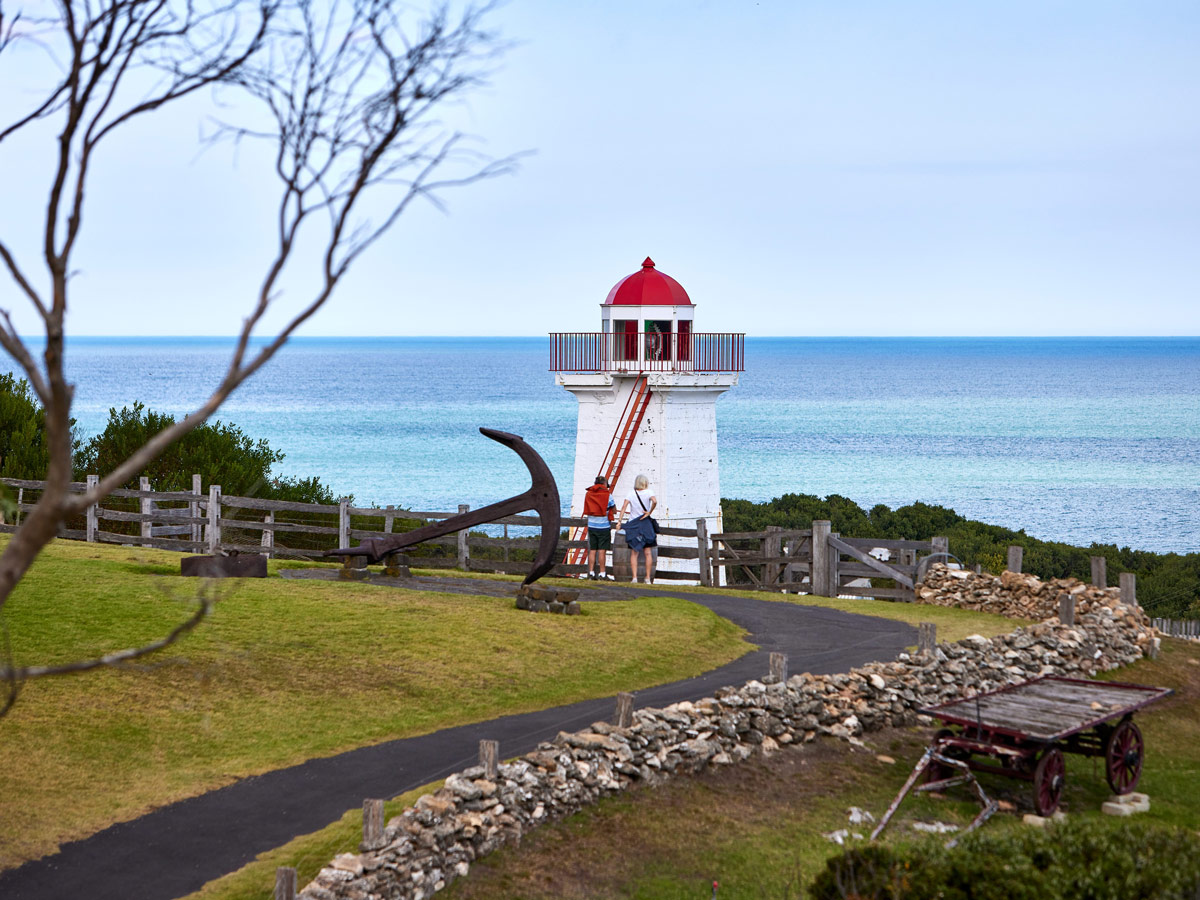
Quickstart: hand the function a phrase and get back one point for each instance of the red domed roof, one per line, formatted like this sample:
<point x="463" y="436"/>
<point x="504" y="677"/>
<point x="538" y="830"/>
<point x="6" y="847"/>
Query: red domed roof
<point x="647" y="287"/>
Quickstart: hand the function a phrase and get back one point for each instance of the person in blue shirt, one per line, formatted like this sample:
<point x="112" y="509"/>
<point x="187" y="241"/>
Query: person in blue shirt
<point x="598" y="509"/>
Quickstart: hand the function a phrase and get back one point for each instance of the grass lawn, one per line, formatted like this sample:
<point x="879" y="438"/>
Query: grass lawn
<point x="758" y="828"/>
<point x="287" y="671"/>
<point x="282" y="672"/>
<point x="595" y="846"/>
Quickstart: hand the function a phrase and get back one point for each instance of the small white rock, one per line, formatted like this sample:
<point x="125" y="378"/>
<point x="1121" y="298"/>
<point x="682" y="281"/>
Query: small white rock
<point x="859" y="816"/>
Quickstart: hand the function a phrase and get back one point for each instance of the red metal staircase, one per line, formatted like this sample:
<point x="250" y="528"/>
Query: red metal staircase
<point x="618" y="453"/>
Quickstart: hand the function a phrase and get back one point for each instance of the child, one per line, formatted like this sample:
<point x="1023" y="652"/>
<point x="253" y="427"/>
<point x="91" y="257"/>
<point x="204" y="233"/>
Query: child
<point x="598" y="509"/>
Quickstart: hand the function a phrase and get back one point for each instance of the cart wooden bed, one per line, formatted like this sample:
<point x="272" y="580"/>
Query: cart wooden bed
<point x="1023" y="730"/>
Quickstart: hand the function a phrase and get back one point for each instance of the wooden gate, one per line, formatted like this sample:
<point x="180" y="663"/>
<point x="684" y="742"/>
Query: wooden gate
<point x="775" y="559"/>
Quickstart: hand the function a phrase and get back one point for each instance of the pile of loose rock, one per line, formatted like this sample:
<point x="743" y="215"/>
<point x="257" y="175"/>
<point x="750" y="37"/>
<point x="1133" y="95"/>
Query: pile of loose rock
<point x="435" y="841"/>
<point x="1013" y="594"/>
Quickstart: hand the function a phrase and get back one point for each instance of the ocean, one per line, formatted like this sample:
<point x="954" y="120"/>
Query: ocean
<point x="1070" y="439"/>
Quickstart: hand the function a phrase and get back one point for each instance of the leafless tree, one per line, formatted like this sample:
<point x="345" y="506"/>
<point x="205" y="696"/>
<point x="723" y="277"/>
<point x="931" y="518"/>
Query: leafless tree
<point x="352" y="97"/>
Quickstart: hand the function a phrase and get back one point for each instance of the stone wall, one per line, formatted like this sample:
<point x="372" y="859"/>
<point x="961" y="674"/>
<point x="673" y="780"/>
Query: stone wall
<point x="436" y="840"/>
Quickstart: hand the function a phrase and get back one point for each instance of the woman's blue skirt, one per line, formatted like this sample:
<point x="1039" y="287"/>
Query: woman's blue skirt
<point x="639" y="534"/>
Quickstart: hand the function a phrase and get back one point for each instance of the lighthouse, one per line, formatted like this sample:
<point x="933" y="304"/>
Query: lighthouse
<point x="647" y="385"/>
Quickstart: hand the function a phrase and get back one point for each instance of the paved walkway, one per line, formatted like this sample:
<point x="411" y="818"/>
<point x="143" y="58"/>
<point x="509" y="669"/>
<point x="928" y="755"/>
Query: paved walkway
<point x="175" y="850"/>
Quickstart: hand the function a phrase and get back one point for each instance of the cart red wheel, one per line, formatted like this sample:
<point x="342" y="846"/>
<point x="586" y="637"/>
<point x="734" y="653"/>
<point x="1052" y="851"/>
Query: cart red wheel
<point x="1048" y="780"/>
<point x="1123" y="757"/>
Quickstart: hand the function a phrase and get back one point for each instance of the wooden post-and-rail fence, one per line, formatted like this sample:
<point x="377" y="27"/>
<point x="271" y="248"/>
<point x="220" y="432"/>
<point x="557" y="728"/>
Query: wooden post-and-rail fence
<point x="199" y="521"/>
<point x="815" y="560"/>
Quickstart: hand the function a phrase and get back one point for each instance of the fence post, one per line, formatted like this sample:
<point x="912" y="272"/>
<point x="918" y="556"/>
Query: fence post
<point x="772" y="548"/>
<point x="624" y="709"/>
<point x="285" y="883"/>
<point x="1099" y="571"/>
<point x="93" y="515"/>
<point x="1016" y="554"/>
<point x="214" y="518"/>
<point x="926" y="638"/>
<point x="464" y="549"/>
<point x="343" y="523"/>
<point x="20" y="503"/>
<point x="1066" y="608"/>
<point x="834" y="559"/>
<point x="787" y="572"/>
<point x="388" y="519"/>
<point x="147" y="507"/>
<point x="489" y="758"/>
<point x="941" y="546"/>
<point x="819" y="568"/>
<point x="1129" y="589"/>
<point x="268" y="536"/>
<point x="777" y="667"/>
<point x="194" y="509"/>
<point x="702" y="551"/>
<point x="372" y="825"/>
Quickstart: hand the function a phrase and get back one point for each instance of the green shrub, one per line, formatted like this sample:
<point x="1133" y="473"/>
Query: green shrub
<point x="219" y="452"/>
<point x="23" y="450"/>
<point x="1077" y="860"/>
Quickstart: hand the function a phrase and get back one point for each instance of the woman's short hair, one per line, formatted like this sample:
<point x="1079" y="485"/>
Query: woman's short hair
<point x="641" y="483"/>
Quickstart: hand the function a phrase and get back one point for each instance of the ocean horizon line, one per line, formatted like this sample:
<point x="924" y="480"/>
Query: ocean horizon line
<point x="749" y="336"/>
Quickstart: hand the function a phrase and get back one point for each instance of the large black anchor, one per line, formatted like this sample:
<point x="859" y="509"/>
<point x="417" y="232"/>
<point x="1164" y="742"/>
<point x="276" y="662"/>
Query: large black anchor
<point x="542" y="498"/>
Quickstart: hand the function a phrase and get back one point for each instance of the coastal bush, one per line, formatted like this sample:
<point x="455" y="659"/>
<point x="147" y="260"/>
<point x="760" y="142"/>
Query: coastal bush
<point x="221" y="453"/>
<point x="23" y="450"/>
<point x="1077" y="860"/>
<point x="1168" y="584"/>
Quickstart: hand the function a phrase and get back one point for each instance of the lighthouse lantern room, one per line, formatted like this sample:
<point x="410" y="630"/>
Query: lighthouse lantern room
<point x="647" y="385"/>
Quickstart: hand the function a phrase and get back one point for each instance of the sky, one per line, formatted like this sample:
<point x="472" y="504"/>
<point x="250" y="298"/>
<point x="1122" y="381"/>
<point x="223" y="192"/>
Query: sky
<point x="801" y="168"/>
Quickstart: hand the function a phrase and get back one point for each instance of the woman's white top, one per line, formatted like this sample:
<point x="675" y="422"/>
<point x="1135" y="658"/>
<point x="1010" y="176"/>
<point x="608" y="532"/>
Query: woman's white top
<point x="635" y="508"/>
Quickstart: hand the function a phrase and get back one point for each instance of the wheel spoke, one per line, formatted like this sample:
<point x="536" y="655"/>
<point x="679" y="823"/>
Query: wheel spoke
<point x="1123" y="757"/>
<point x="1048" y="780"/>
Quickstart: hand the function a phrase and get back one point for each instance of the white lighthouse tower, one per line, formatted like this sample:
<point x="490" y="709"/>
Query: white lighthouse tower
<point x="647" y="385"/>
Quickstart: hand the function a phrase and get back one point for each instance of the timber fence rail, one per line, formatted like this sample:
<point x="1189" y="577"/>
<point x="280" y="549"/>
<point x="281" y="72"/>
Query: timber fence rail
<point x="820" y="561"/>
<point x="1178" y="628"/>
<point x="207" y="521"/>
<point x="815" y="560"/>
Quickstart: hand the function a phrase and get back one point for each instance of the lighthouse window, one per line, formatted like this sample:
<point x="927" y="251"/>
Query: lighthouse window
<point x="625" y="339"/>
<point x="658" y="339"/>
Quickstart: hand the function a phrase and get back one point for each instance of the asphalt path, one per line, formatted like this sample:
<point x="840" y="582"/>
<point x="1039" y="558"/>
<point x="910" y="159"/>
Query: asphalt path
<point x="176" y="849"/>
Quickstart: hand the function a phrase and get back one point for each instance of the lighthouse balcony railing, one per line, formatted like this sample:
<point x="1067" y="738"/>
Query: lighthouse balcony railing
<point x="595" y="351"/>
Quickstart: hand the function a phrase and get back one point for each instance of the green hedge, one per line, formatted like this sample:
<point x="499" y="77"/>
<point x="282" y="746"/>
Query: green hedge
<point x="1089" y="860"/>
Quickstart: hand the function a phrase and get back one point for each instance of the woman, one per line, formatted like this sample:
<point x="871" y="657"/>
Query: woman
<point x="639" y="533"/>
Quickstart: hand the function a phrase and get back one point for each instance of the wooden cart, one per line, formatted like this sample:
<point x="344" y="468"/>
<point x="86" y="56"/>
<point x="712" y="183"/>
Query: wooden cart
<point x="1023" y="730"/>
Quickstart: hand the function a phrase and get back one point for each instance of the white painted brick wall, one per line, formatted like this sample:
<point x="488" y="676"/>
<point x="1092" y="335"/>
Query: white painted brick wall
<point x="676" y="446"/>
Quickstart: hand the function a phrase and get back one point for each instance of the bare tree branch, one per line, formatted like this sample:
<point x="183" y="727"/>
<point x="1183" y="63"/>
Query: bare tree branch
<point x="13" y="344"/>
<point x="349" y="96"/>
<point x="22" y="282"/>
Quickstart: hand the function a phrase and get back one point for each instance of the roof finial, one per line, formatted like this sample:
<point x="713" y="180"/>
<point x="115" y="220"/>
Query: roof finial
<point x="648" y="264"/>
